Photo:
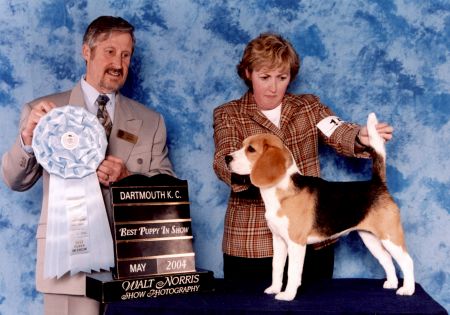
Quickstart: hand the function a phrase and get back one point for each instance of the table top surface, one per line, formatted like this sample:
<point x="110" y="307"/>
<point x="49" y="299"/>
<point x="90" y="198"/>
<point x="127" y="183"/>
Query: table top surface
<point x="336" y="296"/>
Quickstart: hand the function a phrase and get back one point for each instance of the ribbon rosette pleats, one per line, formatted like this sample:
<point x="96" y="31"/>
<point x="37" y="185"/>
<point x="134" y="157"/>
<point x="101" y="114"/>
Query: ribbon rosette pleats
<point x="70" y="143"/>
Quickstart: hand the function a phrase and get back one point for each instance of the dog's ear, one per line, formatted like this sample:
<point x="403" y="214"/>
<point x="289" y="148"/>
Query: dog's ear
<point x="269" y="168"/>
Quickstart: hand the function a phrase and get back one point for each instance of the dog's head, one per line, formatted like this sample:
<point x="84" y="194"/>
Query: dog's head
<point x="264" y="157"/>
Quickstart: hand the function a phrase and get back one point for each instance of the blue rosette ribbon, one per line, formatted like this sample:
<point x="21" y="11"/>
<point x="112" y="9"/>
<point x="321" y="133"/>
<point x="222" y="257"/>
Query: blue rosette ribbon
<point x="70" y="143"/>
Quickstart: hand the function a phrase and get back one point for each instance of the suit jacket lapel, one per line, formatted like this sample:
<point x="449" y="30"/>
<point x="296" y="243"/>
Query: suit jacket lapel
<point x="287" y="111"/>
<point x="123" y="120"/>
<point x="76" y="96"/>
<point x="255" y="114"/>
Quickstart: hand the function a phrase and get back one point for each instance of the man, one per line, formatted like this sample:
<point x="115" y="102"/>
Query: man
<point x="136" y="144"/>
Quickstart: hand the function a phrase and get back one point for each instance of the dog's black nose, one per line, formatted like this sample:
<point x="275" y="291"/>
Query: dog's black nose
<point x="228" y="159"/>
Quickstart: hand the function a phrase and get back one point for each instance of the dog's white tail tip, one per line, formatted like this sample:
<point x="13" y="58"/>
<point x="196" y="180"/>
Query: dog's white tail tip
<point x="372" y="122"/>
<point x="375" y="140"/>
<point x="372" y="119"/>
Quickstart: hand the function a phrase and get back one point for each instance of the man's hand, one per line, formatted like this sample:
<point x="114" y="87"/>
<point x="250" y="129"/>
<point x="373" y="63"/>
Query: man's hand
<point x="37" y="112"/>
<point x="383" y="129"/>
<point x="112" y="169"/>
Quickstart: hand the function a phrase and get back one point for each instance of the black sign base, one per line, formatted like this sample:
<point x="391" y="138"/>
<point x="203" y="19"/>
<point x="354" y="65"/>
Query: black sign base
<point x="103" y="288"/>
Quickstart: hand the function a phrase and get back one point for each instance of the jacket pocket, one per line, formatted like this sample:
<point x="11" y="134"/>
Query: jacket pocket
<point x="139" y="160"/>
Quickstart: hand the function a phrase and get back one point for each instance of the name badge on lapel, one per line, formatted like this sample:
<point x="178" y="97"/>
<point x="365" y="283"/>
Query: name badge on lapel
<point x="122" y="134"/>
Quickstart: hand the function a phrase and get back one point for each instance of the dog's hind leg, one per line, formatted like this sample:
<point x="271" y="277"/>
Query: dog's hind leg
<point x="406" y="265"/>
<point x="278" y="262"/>
<point x="375" y="246"/>
<point x="296" y="254"/>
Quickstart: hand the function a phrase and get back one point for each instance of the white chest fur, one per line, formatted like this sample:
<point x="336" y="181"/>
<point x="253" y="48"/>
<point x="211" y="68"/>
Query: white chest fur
<point x="278" y="224"/>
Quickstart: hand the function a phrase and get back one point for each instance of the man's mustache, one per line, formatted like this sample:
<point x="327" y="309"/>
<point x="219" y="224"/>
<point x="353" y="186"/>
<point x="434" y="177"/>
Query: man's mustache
<point x="114" y="71"/>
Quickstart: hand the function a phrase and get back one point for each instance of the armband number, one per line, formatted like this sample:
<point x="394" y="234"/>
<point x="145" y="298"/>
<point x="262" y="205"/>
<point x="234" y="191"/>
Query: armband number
<point x="329" y="125"/>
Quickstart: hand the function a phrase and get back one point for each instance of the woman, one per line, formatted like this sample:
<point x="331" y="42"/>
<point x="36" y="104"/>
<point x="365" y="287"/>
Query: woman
<point x="269" y="64"/>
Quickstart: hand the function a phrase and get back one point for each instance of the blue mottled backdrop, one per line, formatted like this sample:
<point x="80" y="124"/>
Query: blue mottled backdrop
<point x="391" y="57"/>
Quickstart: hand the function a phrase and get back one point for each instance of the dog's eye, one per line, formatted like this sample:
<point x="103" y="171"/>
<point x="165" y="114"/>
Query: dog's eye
<point x="251" y="149"/>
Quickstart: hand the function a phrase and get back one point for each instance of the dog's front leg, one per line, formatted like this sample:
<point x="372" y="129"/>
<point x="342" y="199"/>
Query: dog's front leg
<point x="278" y="262"/>
<point x="296" y="254"/>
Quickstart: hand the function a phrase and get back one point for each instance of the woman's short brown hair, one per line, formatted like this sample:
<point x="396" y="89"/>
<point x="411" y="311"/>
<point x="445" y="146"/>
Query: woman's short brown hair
<point x="268" y="50"/>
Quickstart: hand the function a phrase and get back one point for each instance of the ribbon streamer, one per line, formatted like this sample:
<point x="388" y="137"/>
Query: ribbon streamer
<point x="70" y="143"/>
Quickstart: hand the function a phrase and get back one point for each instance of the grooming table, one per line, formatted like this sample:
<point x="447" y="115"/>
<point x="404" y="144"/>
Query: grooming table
<point x="336" y="296"/>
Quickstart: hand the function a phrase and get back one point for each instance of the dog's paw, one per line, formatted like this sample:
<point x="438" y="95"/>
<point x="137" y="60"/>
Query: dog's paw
<point x="391" y="284"/>
<point x="406" y="290"/>
<point x="273" y="289"/>
<point x="286" y="296"/>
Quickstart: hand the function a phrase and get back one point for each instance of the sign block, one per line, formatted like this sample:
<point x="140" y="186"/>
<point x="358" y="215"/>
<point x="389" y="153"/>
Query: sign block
<point x="151" y="226"/>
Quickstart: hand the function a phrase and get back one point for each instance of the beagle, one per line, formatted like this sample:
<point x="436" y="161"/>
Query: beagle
<point x="303" y="210"/>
